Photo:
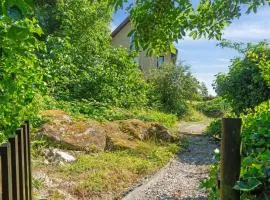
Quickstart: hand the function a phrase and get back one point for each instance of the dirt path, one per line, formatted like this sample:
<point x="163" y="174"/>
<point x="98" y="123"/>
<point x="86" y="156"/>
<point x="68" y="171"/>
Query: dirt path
<point x="180" y="179"/>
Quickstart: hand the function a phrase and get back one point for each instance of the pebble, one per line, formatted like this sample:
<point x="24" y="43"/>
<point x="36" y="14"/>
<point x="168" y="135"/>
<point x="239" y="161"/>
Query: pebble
<point x="180" y="179"/>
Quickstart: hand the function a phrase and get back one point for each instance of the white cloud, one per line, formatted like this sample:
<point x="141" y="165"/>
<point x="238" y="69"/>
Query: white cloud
<point x="248" y="31"/>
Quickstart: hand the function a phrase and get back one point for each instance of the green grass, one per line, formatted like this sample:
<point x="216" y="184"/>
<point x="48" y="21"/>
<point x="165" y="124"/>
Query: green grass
<point x="194" y="115"/>
<point x="116" y="171"/>
<point x="103" y="112"/>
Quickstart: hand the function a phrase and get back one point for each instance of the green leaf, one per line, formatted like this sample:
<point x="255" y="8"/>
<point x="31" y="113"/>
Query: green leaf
<point x="247" y="185"/>
<point x="18" y="33"/>
<point x="173" y="49"/>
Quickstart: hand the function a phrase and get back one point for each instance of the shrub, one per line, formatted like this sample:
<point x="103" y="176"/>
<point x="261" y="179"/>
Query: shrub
<point x="213" y="108"/>
<point x="247" y="83"/>
<point x="214" y="129"/>
<point x="20" y="73"/>
<point x="79" y="59"/>
<point x="255" y="167"/>
<point x="170" y="88"/>
<point x="102" y="111"/>
<point x="255" y="157"/>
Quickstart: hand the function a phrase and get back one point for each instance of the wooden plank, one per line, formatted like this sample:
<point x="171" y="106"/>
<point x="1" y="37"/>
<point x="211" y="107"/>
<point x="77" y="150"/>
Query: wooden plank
<point x="29" y="160"/>
<point x="13" y="140"/>
<point x="6" y="171"/>
<point x="230" y="157"/>
<point x="26" y="159"/>
<point x="19" y="133"/>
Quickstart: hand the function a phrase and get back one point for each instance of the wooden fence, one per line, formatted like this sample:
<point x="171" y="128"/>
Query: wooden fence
<point x="230" y="158"/>
<point x="15" y="166"/>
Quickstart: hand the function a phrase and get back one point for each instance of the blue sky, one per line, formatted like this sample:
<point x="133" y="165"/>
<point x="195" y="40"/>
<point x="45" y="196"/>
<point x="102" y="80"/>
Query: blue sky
<point x="204" y="57"/>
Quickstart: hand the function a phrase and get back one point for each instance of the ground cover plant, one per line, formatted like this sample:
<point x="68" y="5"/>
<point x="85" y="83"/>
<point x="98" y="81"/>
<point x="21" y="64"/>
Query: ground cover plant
<point x="106" y="174"/>
<point x="215" y="108"/>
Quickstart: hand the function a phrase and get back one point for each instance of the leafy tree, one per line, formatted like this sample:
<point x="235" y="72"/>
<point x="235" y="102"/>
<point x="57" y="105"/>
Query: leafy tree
<point x="247" y="83"/>
<point x="20" y="74"/>
<point x="157" y="24"/>
<point x="170" y="88"/>
<point x="79" y="59"/>
<point x="203" y="90"/>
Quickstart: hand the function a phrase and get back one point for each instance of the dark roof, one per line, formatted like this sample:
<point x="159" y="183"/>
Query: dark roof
<point x="119" y="28"/>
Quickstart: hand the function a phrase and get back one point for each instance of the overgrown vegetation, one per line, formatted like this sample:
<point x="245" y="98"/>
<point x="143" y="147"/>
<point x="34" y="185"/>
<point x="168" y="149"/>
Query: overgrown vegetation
<point x="214" y="129"/>
<point x="171" y="87"/>
<point x="247" y="83"/>
<point x="110" y="174"/>
<point x="255" y="158"/>
<point x="246" y="88"/>
<point x="64" y="52"/>
<point x="215" y="108"/>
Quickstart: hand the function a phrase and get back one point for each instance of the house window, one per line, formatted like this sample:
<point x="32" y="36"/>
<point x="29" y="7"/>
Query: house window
<point x="160" y="61"/>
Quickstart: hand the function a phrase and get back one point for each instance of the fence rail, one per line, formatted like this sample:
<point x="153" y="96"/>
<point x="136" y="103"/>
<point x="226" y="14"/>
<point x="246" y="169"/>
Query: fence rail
<point x="15" y="166"/>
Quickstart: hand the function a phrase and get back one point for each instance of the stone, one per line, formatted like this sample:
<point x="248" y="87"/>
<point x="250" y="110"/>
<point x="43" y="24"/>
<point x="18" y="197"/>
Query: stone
<point x="92" y="136"/>
<point x="55" y="156"/>
<point x="64" y="156"/>
<point x="160" y="133"/>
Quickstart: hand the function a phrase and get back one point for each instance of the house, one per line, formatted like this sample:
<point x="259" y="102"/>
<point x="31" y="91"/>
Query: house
<point x="120" y="38"/>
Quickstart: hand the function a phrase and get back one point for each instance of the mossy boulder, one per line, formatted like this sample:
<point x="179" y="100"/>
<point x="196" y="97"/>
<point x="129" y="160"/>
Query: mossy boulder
<point x="92" y="136"/>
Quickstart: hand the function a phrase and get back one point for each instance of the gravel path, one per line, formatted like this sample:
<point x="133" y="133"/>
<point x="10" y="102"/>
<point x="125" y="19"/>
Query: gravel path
<point x="180" y="179"/>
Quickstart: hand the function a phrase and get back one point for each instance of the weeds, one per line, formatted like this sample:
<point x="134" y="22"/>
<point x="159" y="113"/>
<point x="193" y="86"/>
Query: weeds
<point x="116" y="171"/>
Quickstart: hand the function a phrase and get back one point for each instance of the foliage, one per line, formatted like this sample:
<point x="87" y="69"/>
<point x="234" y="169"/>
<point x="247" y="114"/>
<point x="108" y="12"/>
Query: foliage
<point x="255" y="171"/>
<point x="255" y="157"/>
<point x="213" y="108"/>
<point x="160" y="23"/>
<point x="170" y="88"/>
<point x="193" y="115"/>
<point x="20" y="73"/>
<point x="203" y="91"/>
<point x="115" y="171"/>
<point x="89" y="67"/>
<point x="214" y="129"/>
<point x="247" y="79"/>
<point x="102" y="112"/>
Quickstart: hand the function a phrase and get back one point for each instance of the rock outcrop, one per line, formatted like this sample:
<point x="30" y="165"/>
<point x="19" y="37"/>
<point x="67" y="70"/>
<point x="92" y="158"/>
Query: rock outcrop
<point x="92" y="136"/>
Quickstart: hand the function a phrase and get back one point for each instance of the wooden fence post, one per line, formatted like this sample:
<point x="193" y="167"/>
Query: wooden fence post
<point x="19" y="133"/>
<point x="6" y="175"/>
<point x="230" y="157"/>
<point x="26" y="161"/>
<point x="29" y="159"/>
<point x="13" y="140"/>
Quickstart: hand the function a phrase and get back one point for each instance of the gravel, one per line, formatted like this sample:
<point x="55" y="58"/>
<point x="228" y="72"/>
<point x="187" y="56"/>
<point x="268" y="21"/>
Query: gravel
<point x="180" y="179"/>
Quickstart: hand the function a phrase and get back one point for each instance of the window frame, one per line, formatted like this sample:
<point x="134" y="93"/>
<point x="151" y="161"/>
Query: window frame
<point x="158" y="61"/>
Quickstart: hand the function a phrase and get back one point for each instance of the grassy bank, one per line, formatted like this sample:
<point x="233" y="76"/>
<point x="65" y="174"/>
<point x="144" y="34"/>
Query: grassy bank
<point x="104" y="175"/>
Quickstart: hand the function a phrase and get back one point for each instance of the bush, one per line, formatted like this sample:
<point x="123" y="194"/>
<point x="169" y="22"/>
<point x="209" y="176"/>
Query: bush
<point x="214" y="129"/>
<point x="255" y="167"/>
<point x="20" y="73"/>
<point x="255" y="157"/>
<point x="170" y="88"/>
<point x="79" y="59"/>
<point x="103" y="112"/>
<point x="247" y="83"/>
<point x="213" y="108"/>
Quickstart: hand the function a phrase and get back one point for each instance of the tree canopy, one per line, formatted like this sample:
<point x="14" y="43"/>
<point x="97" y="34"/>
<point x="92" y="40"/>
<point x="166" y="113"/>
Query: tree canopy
<point x="167" y="21"/>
